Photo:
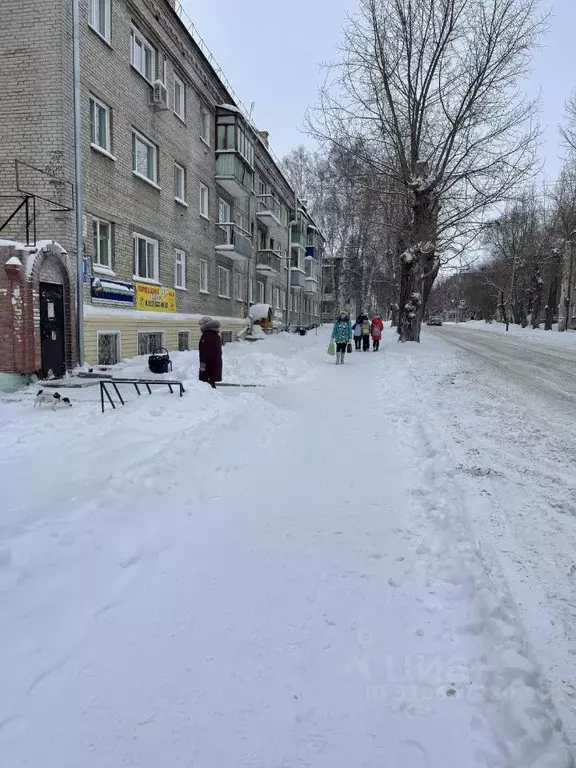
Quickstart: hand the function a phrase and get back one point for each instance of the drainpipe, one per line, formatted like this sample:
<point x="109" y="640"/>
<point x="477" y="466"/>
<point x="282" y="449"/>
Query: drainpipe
<point x="79" y="182"/>
<point x="288" y="261"/>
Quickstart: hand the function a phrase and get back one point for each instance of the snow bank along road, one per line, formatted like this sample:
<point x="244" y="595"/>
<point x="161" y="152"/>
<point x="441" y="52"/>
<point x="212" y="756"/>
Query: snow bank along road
<point x="278" y="578"/>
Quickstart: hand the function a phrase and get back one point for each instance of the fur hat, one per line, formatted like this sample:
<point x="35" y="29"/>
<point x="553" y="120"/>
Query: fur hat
<point x="209" y="324"/>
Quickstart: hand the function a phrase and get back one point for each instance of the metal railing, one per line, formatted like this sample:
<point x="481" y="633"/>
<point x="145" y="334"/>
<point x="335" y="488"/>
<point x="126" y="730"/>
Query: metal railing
<point x="230" y="234"/>
<point x="269" y="203"/>
<point x="270" y="259"/>
<point x="229" y="165"/>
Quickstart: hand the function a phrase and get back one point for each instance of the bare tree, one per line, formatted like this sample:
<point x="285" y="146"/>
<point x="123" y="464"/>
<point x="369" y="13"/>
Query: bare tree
<point x="432" y="87"/>
<point x="568" y="127"/>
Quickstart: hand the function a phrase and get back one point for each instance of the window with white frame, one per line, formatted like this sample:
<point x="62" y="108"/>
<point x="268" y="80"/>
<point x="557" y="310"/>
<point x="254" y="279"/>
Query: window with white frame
<point x="277" y="297"/>
<point x="238" y="286"/>
<point x="179" y="269"/>
<point x="179" y="183"/>
<point x="204" y="201"/>
<point x="224" y="282"/>
<point x="99" y="124"/>
<point x="260" y="292"/>
<point x="252" y="287"/>
<point x="284" y="300"/>
<point x="102" y="243"/>
<point x="142" y="55"/>
<point x="203" y="276"/>
<point x="205" y="125"/>
<point x="224" y="211"/>
<point x="179" y="98"/>
<point x="99" y="17"/>
<point x="145" y="258"/>
<point x="150" y="342"/>
<point x="183" y="341"/>
<point x="108" y="348"/>
<point x="144" y="157"/>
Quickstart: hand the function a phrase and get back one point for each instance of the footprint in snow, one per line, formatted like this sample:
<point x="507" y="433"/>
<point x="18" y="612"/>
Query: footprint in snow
<point x="393" y="582"/>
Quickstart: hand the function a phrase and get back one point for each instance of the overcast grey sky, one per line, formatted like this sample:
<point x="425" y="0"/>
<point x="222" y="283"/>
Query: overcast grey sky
<point x="271" y="50"/>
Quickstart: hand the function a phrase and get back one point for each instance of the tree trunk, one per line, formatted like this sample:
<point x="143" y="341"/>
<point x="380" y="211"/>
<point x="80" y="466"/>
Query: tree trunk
<point x="537" y="299"/>
<point x="553" y="292"/>
<point x="419" y="267"/>
<point x="565" y="289"/>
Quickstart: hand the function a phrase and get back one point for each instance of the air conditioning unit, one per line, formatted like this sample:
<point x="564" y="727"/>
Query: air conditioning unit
<point x="160" y="95"/>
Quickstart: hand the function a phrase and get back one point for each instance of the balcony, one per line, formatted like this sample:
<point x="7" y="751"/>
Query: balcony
<point x="297" y="278"/>
<point x="233" y="242"/>
<point x="298" y="238"/>
<point x="269" y="212"/>
<point x="233" y="174"/>
<point x="269" y="262"/>
<point x="311" y="285"/>
<point x="311" y="252"/>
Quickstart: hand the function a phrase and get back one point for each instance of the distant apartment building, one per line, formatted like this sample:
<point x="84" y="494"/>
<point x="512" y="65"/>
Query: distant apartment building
<point x="186" y="212"/>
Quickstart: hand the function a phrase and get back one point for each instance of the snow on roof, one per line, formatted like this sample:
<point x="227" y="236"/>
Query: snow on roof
<point x="260" y="311"/>
<point x="14" y="261"/>
<point x="230" y="108"/>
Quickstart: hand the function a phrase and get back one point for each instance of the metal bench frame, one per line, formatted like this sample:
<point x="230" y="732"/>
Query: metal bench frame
<point x="106" y="383"/>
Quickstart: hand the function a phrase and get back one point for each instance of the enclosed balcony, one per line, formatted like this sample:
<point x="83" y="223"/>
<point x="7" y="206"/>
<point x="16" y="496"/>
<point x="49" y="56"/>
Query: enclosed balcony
<point x="269" y="211"/>
<point x="297" y="278"/>
<point x="311" y="252"/>
<point x="269" y="262"/>
<point x="233" y="242"/>
<point x="234" y="151"/>
<point x="311" y="285"/>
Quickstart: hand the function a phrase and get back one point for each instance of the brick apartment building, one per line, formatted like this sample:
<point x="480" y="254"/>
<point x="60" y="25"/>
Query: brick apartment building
<point x="186" y="212"/>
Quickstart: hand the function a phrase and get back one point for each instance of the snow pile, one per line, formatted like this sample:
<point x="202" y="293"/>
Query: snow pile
<point x="270" y="361"/>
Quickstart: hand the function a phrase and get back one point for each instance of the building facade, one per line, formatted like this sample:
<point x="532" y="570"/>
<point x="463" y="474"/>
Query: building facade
<point x="186" y="212"/>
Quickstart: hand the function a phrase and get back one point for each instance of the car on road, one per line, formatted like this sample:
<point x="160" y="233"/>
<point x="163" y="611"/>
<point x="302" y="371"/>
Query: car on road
<point x="434" y="320"/>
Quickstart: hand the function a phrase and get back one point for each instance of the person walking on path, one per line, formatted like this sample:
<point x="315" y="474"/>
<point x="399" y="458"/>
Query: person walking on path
<point x="358" y="333"/>
<point x="210" y="351"/>
<point x="365" y="333"/>
<point x="376" y="329"/>
<point x="342" y="333"/>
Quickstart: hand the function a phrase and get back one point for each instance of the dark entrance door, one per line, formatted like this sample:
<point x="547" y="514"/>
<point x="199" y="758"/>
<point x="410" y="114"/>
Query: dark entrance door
<point x="52" y="330"/>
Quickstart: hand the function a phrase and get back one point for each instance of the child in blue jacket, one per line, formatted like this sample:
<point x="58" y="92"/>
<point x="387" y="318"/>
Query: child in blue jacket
<point x="342" y="333"/>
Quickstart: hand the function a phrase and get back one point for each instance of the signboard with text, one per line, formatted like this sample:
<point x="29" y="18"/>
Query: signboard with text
<point x="155" y="298"/>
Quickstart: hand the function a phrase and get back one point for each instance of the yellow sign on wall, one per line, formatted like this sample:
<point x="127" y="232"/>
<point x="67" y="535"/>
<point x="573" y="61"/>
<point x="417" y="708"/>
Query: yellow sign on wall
<point x="155" y="298"/>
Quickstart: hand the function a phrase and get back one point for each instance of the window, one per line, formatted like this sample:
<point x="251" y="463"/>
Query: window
<point x="238" y="286"/>
<point x="224" y="282"/>
<point x="226" y="337"/>
<point x="203" y="276"/>
<point x="144" y="158"/>
<point x="99" y="125"/>
<point x="145" y="258"/>
<point x="99" y="17"/>
<point x="108" y="348"/>
<point x="252" y="290"/>
<point x="260" y="292"/>
<point x="284" y="300"/>
<point x="142" y="55"/>
<point x="179" y="269"/>
<point x="183" y="341"/>
<point x="149" y="342"/>
<point x="277" y="297"/>
<point x="224" y="211"/>
<point x="102" y="243"/>
<point x="179" y="98"/>
<point x="204" y="201"/>
<point x="179" y="183"/>
<point x="205" y="125"/>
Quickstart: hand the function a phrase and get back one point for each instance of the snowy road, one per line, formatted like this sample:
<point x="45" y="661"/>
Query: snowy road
<point x="515" y="421"/>
<point x="277" y="578"/>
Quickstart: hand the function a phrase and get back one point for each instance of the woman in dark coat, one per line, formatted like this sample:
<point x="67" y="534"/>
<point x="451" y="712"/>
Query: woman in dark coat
<point x="210" y="350"/>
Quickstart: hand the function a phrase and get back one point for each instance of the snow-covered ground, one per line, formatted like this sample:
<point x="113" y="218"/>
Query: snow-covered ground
<point x="533" y="335"/>
<point x="297" y="575"/>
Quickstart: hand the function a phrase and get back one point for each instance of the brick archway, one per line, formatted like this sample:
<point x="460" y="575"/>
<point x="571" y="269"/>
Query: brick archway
<point x="48" y="265"/>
